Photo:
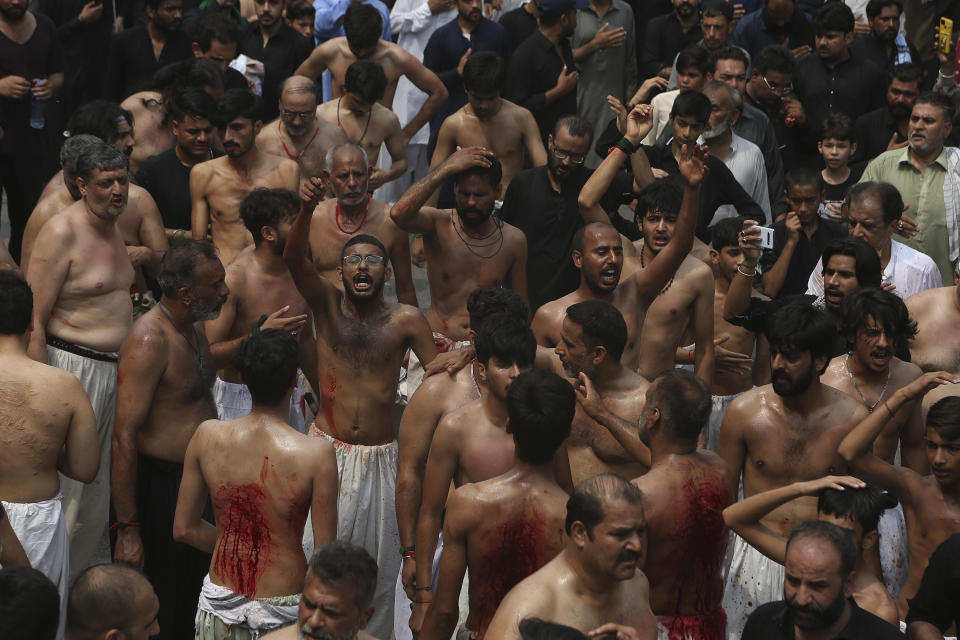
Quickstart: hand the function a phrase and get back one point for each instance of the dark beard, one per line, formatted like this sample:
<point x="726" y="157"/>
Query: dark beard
<point x="14" y="13"/>
<point x="791" y="387"/>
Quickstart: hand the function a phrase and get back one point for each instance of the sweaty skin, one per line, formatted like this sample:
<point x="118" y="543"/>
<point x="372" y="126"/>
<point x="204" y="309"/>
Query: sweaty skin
<point x="370" y="129"/>
<point x="937" y="344"/>
<point x="309" y="151"/>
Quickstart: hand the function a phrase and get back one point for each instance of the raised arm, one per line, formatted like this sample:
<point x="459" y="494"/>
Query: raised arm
<point x="626" y="433"/>
<point x="737" y="299"/>
<point x="408" y="212"/>
<point x="428" y="82"/>
<point x="705" y="352"/>
<point x="189" y="527"/>
<point x="143" y="360"/>
<point x="857" y="447"/>
<point x="774" y="277"/>
<point x="316" y="63"/>
<point x="745" y="517"/>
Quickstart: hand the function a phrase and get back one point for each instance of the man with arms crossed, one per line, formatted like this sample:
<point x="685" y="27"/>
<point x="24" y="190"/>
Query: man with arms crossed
<point x="81" y="276"/>
<point x="337" y="599"/>
<point x="217" y="186"/>
<point x="165" y="372"/>
<point x="298" y="134"/>
<point x="507" y="527"/>
<point x="779" y="434"/>
<point x="354" y="211"/>
<point x="467" y="248"/>
<point x="596" y="578"/>
<point x="46" y="424"/>
<point x="263" y="478"/>
<point x="361" y="341"/>
<point x="262" y="294"/>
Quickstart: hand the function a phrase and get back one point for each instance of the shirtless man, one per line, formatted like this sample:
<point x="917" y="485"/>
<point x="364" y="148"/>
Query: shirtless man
<point x="779" y="434"/>
<point x="743" y="360"/>
<point x="845" y="501"/>
<point x="467" y="249"/>
<point x="361" y="341"/>
<point x="165" y="372"/>
<point x="46" y="425"/>
<point x="337" y="598"/>
<point x="354" y="211"/>
<point x="263" y="478"/>
<point x="490" y="121"/>
<point x="472" y="444"/>
<point x="81" y="275"/>
<point x="262" y="294"/>
<point x="365" y="122"/>
<point x="363" y="25"/>
<point x="936" y="346"/>
<point x="600" y="258"/>
<point x="485" y="521"/>
<point x="218" y="186"/>
<point x="603" y="552"/>
<point x="931" y="503"/>
<point x="684" y="495"/>
<point x="592" y="339"/>
<point x="298" y="134"/>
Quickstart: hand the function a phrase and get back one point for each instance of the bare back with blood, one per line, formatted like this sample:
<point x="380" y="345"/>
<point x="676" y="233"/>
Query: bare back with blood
<point x="683" y="501"/>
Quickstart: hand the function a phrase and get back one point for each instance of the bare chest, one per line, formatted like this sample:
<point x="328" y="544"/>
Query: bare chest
<point x="98" y="267"/>
<point x="779" y="452"/>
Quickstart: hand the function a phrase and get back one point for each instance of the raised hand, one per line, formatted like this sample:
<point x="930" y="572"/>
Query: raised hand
<point x="639" y="123"/>
<point x="749" y="241"/>
<point x="607" y="39"/>
<point x="813" y="487"/>
<point x="466" y="157"/>
<point x="313" y="191"/>
<point x="928" y="382"/>
<point x="693" y="164"/>
<point x="290" y="324"/>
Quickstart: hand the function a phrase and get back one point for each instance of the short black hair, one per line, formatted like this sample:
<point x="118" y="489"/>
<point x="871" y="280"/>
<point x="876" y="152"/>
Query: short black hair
<point x="267" y="362"/>
<point x="537" y="629"/>
<point x="16" y="303"/>
<point x="937" y="100"/>
<point x="803" y="177"/>
<point x="267" y="208"/>
<point x="684" y="402"/>
<point x="298" y="10"/>
<point x="775" y="58"/>
<point x="364" y="238"/>
<point x="192" y="72"/>
<point x="944" y="418"/>
<point x="340" y="564"/>
<point x="485" y="303"/>
<point x="838" y="126"/>
<point x="886" y="309"/>
<point x="876" y="7"/>
<point x="833" y="16"/>
<point x="660" y="196"/>
<point x="864" y="256"/>
<point x="863" y="505"/>
<point x="726" y="233"/>
<point x="99" y="118"/>
<point x="492" y="174"/>
<point x="238" y="103"/>
<point x="179" y="264"/>
<point x="601" y="324"/>
<point x="692" y="104"/>
<point x="841" y="539"/>
<point x="216" y="26"/>
<point x="586" y="502"/>
<point x="103" y="597"/>
<point x="540" y="406"/>
<point x="728" y="51"/>
<point x="484" y="72"/>
<point x="889" y="196"/>
<point x="193" y="102"/>
<point x="366" y="79"/>
<point x="576" y="126"/>
<point x="802" y="327"/>
<point x="29" y="605"/>
<point x="717" y="9"/>
<point x="506" y="338"/>
<point x="907" y="72"/>
<point x="694" y="56"/>
<point x="362" y="24"/>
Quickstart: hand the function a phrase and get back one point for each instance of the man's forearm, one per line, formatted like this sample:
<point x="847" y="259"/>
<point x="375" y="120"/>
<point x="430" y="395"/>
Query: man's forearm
<point x="416" y="196"/>
<point x="408" y="495"/>
<point x="774" y="278"/>
<point x="427" y="111"/>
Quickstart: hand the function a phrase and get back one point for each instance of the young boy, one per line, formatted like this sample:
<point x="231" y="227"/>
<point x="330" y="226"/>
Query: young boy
<point x="798" y="239"/>
<point x="836" y="145"/>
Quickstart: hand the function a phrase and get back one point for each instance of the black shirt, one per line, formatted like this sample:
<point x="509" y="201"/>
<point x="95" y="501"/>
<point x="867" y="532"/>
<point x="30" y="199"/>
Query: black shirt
<point x="772" y="622"/>
<point x="549" y="220"/>
<point x="284" y="52"/>
<point x="132" y="63"/>
<point x="519" y="25"/>
<point x="874" y="130"/>
<point x="719" y="188"/>
<point x="533" y="70"/>
<point x="805" y="256"/>
<point x="872" y="48"/>
<point x="665" y="38"/>
<point x="837" y="192"/>
<point x="168" y="181"/>
<point x="938" y="598"/>
<point x="854" y="87"/>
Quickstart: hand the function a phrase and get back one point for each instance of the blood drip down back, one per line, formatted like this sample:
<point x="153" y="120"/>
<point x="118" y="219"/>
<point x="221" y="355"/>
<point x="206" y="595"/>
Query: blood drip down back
<point x="244" y="548"/>
<point x="705" y="537"/>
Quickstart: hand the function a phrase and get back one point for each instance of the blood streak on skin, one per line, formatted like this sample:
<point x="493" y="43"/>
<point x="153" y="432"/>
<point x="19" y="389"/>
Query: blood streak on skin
<point x="521" y="550"/>
<point x="264" y="469"/>
<point x="243" y="550"/>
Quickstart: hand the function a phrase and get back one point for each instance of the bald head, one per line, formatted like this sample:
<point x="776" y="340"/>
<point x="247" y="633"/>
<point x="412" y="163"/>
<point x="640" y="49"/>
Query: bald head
<point x="106" y="597"/>
<point x="593" y="230"/>
<point x="295" y="85"/>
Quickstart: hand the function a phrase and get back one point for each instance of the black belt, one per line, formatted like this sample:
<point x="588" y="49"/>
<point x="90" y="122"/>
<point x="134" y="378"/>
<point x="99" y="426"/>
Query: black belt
<point x="76" y="349"/>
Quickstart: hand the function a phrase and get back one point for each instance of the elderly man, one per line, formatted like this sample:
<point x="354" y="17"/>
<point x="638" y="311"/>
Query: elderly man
<point x="925" y="174"/>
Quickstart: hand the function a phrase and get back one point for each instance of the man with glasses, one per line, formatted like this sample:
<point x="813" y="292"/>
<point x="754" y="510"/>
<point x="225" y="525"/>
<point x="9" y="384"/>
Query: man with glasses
<point x="298" y="133"/>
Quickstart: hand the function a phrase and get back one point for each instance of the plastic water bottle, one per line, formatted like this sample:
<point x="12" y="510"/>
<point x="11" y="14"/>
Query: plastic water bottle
<point x="38" y="110"/>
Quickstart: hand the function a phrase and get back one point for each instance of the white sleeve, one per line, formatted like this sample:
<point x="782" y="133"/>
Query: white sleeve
<point x="409" y="16"/>
<point x="815" y="282"/>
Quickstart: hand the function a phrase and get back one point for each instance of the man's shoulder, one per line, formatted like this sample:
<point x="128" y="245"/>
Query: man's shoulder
<point x="864" y="624"/>
<point x="160" y="160"/>
<point x="131" y="35"/>
<point x="914" y="258"/>
<point x="765" y="619"/>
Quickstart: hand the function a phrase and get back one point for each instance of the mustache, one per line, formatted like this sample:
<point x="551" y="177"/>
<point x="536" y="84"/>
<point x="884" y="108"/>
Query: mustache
<point x="628" y="556"/>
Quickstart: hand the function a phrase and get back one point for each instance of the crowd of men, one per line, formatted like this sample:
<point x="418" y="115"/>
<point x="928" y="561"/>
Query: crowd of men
<point x="683" y="362"/>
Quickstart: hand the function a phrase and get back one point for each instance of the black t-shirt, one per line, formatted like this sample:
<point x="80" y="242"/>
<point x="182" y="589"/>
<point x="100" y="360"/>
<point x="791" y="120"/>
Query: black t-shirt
<point x="38" y="57"/>
<point x="168" y="181"/>
<point x="837" y="192"/>
<point x="772" y="622"/>
<point x="805" y="256"/>
<point x="938" y="599"/>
